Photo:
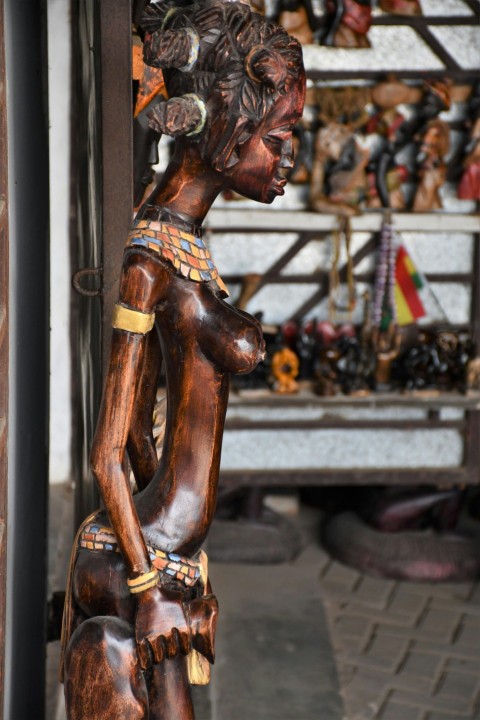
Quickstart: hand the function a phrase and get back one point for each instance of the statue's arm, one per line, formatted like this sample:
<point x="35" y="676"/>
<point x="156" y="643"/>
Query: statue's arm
<point x="157" y="613"/>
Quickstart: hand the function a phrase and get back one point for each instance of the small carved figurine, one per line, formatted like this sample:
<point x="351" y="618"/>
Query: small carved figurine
<point x="294" y="19"/>
<point x="401" y="7"/>
<point x="285" y="368"/>
<point x="348" y="22"/>
<point x="386" y="345"/>
<point x="399" y="132"/>
<point x="339" y="179"/>
<point x="469" y="186"/>
<point x="139" y="600"/>
<point x="432" y="167"/>
<point x="473" y="374"/>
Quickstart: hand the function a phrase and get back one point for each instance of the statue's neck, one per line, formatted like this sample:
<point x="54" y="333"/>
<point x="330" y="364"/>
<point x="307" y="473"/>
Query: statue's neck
<point x="188" y="187"/>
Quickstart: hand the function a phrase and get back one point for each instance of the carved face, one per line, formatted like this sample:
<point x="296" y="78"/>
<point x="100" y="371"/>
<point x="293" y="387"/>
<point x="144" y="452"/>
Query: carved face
<point x="268" y="152"/>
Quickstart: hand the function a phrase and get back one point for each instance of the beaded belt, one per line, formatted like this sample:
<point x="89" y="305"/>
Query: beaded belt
<point x="186" y="252"/>
<point x="96" y="537"/>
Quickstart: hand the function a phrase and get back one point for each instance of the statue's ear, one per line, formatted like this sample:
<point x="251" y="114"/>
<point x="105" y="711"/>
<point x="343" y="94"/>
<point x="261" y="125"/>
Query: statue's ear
<point x="266" y="67"/>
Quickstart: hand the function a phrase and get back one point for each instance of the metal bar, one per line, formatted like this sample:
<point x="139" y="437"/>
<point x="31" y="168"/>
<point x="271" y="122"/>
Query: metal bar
<point x="474" y="6"/>
<point x="472" y="441"/>
<point x="279" y="264"/>
<point x="321" y="276"/>
<point x="377" y="75"/>
<point x="425" y="20"/>
<point x="4" y="286"/>
<point x="374" y="400"/>
<point x="342" y="275"/>
<point x="117" y="148"/>
<point x="332" y="423"/>
<point x="228" y="220"/>
<point x="440" y="477"/>
<point x="437" y="47"/>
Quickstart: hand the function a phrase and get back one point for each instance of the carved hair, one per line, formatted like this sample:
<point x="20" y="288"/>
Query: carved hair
<point x="232" y="60"/>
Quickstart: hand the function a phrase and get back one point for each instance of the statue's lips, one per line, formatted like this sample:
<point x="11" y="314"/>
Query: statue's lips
<point x="279" y="183"/>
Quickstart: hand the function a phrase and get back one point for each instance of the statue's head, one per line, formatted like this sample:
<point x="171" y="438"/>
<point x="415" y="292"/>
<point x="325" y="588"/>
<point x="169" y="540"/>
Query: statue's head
<point x="236" y="87"/>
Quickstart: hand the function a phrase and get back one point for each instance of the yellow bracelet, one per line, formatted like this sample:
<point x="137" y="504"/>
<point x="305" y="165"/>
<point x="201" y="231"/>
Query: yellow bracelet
<point x="143" y="582"/>
<point x="133" y="321"/>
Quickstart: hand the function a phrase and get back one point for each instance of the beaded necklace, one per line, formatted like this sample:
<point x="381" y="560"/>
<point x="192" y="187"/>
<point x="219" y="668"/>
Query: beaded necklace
<point x="184" y="249"/>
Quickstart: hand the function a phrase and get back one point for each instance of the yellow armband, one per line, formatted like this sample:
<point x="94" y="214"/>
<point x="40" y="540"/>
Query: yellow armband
<point x="132" y="320"/>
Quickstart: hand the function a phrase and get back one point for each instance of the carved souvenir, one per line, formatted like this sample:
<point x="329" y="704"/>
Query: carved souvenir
<point x="339" y="179"/>
<point x="435" y="361"/>
<point x="140" y="614"/>
<point x="295" y="22"/>
<point x="401" y="7"/>
<point x="469" y="186"/>
<point x="473" y="374"/>
<point x="398" y="132"/>
<point x="386" y="345"/>
<point x="285" y="368"/>
<point x="432" y="169"/>
<point x="348" y="22"/>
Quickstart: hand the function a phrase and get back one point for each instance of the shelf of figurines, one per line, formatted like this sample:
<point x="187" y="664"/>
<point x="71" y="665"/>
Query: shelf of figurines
<point x="431" y="367"/>
<point x="250" y="220"/>
<point x="305" y="396"/>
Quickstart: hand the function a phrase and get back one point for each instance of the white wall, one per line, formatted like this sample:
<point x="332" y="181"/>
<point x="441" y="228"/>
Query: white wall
<point x="59" y="61"/>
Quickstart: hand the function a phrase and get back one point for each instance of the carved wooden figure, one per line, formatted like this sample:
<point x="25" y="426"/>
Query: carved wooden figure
<point x="432" y="170"/>
<point x="139" y="598"/>
<point x="348" y="23"/>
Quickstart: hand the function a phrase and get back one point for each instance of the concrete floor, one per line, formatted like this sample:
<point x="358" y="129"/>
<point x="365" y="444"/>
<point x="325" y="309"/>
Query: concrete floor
<point x="314" y="640"/>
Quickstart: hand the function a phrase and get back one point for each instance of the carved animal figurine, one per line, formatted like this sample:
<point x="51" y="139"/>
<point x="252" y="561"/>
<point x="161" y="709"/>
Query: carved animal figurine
<point x="139" y="599"/>
<point x="348" y="22"/>
<point x="432" y="168"/>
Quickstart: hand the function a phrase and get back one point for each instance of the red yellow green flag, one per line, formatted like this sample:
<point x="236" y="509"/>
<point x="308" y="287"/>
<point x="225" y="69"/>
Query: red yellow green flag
<point x="408" y="286"/>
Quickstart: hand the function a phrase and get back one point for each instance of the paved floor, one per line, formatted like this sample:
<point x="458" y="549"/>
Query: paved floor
<point x="314" y="640"/>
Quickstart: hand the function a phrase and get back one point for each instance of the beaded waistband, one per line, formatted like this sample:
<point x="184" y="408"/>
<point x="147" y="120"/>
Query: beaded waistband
<point x="187" y="570"/>
<point x="186" y="252"/>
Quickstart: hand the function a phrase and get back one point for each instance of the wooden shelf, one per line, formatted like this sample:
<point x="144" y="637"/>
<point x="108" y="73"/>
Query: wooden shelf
<point x="305" y="398"/>
<point x="248" y="220"/>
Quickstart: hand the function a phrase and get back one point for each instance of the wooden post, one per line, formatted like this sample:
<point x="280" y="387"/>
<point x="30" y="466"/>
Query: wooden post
<point x="3" y="354"/>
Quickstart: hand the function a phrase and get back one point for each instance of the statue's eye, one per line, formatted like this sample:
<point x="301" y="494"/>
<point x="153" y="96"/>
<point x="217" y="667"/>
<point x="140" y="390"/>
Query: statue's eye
<point x="278" y="136"/>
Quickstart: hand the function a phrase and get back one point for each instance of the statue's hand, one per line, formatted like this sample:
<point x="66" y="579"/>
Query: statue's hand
<point x="161" y="629"/>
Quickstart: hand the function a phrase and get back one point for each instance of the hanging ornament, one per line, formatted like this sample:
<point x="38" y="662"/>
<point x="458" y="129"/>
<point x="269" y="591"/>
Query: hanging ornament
<point x="341" y="298"/>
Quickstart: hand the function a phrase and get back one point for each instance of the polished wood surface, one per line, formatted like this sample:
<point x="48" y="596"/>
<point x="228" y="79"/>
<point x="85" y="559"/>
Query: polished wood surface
<point x="236" y="88"/>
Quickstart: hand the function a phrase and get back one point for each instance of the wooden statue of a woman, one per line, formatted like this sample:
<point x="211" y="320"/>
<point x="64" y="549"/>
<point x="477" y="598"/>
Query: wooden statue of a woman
<point x="139" y="602"/>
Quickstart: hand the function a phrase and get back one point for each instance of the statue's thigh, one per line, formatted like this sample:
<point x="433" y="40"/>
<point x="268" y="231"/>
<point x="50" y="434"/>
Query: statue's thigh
<point x="100" y="585"/>
<point x="103" y="679"/>
<point x="169" y="691"/>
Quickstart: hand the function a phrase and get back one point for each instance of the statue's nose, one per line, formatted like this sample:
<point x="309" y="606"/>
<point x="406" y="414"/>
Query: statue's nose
<point x="286" y="159"/>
